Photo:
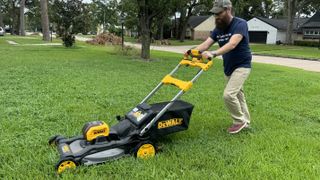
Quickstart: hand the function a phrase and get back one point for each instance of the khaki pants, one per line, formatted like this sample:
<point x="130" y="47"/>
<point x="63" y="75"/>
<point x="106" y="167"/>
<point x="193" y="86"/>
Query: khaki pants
<point x="234" y="96"/>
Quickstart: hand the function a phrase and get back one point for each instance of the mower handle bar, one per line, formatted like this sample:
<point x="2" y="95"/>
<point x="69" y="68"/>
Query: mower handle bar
<point x="189" y="53"/>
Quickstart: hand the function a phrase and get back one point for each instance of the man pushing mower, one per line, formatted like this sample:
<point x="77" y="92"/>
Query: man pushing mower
<point x="232" y="35"/>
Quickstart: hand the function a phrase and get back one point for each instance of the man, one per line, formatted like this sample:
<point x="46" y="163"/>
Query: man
<point x="232" y="35"/>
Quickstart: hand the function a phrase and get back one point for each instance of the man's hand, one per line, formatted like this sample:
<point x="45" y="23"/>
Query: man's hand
<point x="186" y="52"/>
<point x="209" y="54"/>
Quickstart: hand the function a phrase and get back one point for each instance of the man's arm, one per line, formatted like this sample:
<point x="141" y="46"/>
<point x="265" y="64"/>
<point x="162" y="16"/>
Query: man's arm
<point x="205" y="45"/>
<point x="233" y="42"/>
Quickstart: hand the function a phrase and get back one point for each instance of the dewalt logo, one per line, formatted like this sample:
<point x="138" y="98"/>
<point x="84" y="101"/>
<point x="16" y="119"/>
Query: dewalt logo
<point x="100" y="131"/>
<point x="170" y="123"/>
<point x="65" y="149"/>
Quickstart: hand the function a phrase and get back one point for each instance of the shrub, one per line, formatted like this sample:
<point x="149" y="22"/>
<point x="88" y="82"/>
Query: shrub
<point x="307" y="43"/>
<point x="127" y="51"/>
<point x="68" y="40"/>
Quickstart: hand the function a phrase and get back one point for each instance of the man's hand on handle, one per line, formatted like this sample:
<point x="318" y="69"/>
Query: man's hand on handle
<point x="209" y="54"/>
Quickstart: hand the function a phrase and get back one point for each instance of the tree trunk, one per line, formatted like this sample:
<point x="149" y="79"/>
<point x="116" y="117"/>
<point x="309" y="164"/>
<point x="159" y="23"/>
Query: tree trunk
<point x="1" y="19"/>
<point x="181" y="23"/>
<point x="13" y="17"/>
<point x="144" y="21"/>
<point x="22" y="22"/>
<point x="160" y="29"/>
<point x="45" y="20"/>
<point x="291" y="14"/>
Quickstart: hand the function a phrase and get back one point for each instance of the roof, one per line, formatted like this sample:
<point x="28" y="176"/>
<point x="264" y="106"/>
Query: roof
<point x="195" y="21"/>
<point x="281" y="24"/>
<point x="313" y="22"/>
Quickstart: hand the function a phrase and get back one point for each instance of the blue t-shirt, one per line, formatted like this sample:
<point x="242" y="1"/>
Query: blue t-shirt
<point x="240" y="56"/>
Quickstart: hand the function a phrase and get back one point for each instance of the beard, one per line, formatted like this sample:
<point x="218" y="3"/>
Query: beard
<point x="222" y="23"/>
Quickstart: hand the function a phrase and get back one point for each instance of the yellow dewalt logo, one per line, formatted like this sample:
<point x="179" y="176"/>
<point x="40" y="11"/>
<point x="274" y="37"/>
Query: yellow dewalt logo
<point x="170" y="123"/>
<point x="65" y="149"/>
<point x="100" y="131"/>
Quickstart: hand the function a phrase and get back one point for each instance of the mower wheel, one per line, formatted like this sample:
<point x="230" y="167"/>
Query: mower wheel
<point x="145" y="150"/>
<point x="54" y="140"/>
<point x="65" y="164"/>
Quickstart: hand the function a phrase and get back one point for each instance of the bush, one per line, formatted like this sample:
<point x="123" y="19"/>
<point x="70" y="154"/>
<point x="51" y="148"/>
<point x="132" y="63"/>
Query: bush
<point x="127" y="51"/>
<point x="68" y="40"/>
<point x="307" y="43"/>
<point x="106" y="38"/>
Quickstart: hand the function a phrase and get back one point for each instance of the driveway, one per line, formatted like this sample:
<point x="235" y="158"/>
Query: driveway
<point x="295" y="63"/>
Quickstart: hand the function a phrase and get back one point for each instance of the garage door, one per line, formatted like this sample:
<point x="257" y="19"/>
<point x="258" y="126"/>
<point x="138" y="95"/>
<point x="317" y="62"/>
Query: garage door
<point x="258" y="36"/>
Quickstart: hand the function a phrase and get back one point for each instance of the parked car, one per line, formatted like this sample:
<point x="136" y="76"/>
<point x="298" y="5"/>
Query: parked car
<point x="2" y="31"/>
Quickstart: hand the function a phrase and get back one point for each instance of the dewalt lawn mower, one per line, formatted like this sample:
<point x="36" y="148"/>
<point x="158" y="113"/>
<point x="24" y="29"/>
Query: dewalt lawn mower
<point x="137" y="131"/>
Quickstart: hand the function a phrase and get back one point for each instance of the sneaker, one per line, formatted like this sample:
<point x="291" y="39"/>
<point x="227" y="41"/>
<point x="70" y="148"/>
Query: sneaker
<point x="235" y="128"/>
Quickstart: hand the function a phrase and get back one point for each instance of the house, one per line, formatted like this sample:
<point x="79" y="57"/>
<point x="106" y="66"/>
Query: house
<point x="311" y="28"/>
<point x="271" y="31"/>
<point x="199" y="27"/>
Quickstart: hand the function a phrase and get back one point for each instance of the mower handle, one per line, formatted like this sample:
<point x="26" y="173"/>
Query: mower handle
<point x="198" y="52"/>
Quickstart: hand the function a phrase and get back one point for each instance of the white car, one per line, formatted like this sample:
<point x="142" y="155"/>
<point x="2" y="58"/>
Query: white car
<point x="2" y="31"/>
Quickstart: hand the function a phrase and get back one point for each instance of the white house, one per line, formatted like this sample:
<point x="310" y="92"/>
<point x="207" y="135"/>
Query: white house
<point x="271" y="31"/>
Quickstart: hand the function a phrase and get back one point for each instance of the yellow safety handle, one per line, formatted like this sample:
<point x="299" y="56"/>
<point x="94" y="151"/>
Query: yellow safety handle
<point x="183" y="85"/>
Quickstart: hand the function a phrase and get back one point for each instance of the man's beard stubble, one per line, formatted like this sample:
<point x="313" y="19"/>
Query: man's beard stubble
<point x="222" y="23"/>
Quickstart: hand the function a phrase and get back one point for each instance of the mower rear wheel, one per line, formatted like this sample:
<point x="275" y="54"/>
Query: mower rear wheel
<point x="145" y="150"/>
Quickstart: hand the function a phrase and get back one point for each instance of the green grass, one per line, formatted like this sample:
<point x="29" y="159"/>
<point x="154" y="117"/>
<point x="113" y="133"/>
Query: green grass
<point x="286" y="51"/>
<point x="48" y="90"/>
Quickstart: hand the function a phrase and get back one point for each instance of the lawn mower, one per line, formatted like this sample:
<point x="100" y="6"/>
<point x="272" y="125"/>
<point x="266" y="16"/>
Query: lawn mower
<point x="137" y="131"/>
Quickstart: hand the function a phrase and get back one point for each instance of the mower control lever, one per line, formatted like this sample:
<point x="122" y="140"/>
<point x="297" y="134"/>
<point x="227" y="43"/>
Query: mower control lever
<point x="194" y="53"/>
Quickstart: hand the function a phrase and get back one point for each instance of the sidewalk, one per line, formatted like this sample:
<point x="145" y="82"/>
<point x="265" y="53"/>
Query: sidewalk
<point x="289" y="62"/>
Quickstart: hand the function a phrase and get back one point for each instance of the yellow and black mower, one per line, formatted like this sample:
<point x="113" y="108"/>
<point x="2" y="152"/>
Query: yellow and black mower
<point x="137" y="131"/>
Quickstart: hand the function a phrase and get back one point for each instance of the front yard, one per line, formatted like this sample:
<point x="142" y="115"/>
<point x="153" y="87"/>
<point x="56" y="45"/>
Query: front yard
<point x="48" y="90"/>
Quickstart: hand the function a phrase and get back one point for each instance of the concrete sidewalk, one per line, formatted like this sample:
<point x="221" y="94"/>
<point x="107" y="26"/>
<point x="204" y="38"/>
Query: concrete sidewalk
<point x="290" y="62"/>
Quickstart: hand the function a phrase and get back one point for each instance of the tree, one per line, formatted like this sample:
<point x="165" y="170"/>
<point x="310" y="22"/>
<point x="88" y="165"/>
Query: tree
<point x="45" y="20"/>
<point x="33" y="15"/>
<point x="106" y="13"/>
<point x="248" y="9"/>
<point x="14" y="12"/>
<point x="3" y="7"/>
<point x="22" y="22"/>
<point x="147" y="11"/>
<point x="291" y="5"/>
<point x="68" y="16"/>
<point x="296" y="8"/>
<point x="188" y="8"/>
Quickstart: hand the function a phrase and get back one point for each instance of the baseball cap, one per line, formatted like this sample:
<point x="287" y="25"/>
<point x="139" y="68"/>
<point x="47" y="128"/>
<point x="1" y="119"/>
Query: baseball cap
<point x="219" y="5"/>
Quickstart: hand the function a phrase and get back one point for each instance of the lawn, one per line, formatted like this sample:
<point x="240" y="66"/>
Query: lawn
<point x="312" y="53"/>
<point x="48" y="90"/>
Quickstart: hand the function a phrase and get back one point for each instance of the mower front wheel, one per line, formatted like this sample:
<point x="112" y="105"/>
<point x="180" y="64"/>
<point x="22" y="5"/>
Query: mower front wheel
<point x="145" y="150"/>
<point x="65" y="164"/>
